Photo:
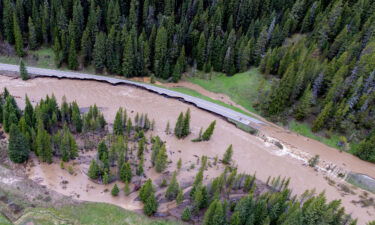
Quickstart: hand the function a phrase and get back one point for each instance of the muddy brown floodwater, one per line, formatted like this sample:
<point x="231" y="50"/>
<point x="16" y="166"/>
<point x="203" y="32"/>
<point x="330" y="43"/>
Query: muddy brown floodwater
<point x="252" y="154"/>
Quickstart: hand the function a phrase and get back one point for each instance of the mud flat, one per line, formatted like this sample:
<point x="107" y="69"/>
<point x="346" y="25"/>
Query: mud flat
<point x="252" y="154"/>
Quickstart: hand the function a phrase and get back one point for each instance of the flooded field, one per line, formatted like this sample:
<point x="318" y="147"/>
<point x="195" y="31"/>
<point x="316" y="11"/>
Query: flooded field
<point x="252" y="154"/>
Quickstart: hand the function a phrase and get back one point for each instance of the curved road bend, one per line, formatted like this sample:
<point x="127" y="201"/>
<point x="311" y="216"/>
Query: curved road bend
<point x="200" y="103"/>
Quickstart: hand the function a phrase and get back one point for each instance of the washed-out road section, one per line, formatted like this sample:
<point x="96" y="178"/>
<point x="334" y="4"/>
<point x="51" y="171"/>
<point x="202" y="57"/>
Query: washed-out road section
<point x="200" y="103"/>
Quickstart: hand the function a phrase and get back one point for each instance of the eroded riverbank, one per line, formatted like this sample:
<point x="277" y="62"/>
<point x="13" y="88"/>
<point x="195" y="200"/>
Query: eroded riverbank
<point x="252" y="154"/>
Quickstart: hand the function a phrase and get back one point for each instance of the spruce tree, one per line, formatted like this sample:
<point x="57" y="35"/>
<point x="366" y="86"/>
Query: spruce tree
<point x="173" y="188"/>
<point x="161" y="48"/>
<point x="227" y="158"/>
<point x="209" y="131"/>
<point x="102" y="150"/>
<point x="18" y="148"/>
<point x="93" y="171"/>
<point x="151" y="205"/>
<point x="28" y="113"/>
<point x="186" y="124"/>
<point x="322" y="117"/>
<point x="76" y="117"/>
<point x="178" y="129"/>
<point x="72" y="56"/>
<point x="215" y="214"/>
<point x="303" y="107"/>
<point x="128" y="69"/>
<point x="18" y="36"/>
<point x="161" y="160"/>
<point x="126" y="172"/>
<point x="115" y="190"/>
<point x="186" y="214"/>
<point x="146" y="190"/>
<point x="32" y="38"/>
<point x="23" y="71"/>
<point x="99" y="52"/>
<point x="118" y="128"/>
<point x="201" y="52"/>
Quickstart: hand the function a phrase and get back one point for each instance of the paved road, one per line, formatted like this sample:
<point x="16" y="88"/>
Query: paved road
<point x="200" y="103"/>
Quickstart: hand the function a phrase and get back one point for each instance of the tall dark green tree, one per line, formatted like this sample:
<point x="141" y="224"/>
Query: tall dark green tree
<point x="99" y="52"/>
<point x="18" y="147"/>
<point x="18" y="39"/>
<point x="23" y="71"/>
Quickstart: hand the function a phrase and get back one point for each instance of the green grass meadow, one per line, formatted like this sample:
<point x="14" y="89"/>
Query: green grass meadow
<point x="88" y="214"/>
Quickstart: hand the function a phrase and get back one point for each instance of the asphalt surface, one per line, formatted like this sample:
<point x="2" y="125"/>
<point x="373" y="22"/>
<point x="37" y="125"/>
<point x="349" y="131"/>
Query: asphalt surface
<point x="200" y="103"/>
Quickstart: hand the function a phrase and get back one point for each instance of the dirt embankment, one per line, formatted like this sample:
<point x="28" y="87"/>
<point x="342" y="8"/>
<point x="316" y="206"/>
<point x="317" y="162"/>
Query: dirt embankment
<point x="252" y="154"/>
<point x="17" y="192"/>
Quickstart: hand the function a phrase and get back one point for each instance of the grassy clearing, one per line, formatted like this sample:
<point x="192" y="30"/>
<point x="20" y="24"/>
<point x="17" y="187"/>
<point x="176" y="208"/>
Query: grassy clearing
<point x="88" y="214"/>
<point x="43" y="57"/>
<point x="305" y="130"/>
<point x="194" y="93"/>
<point x="4" y="221"/>
<point x="242" y="88"/>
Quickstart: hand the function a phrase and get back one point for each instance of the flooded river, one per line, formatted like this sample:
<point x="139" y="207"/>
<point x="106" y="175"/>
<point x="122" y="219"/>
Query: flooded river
<point x="252" y="154"/>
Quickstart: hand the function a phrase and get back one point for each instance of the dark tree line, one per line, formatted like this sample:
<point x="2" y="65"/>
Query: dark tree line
<point x="276" y="206"/>
<point x="328" y="75"/>
<point x="46" y="129"/>
<point x="143" y="37"/>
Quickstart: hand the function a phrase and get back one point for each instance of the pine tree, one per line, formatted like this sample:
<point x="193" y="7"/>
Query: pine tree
<point x="118" y="128"/>
<point x="173" y="188"/>
<point x="215" y="214"/>
<point x="86" y="46"/>
<point x="72" y="57"/>
<point x="161" y="160"/>
<point x="365" y="149"/>
<point x="140" y="169"/>
<point x="186" y="124"/>
<point x="161" y="48"/>
<point x="303" y="107"/>
<point x="23" y="71"/>
<point x="76" y="117"/>
<point x="93" y="171"/>
<point x="151" y="205"/>
<point x="33" y="39"/>
<point x="179" y="164"/>
<point x="18" y="148"/>
<point x="102" y="150"/>
<point x="126" y="173"/>
<point x="128" y="69"/>
<point x="227" y="158"/>
<point x="201" y="52"/>
<point x="8" y="20"/>
<point x="127" y="189"/>
<point x="43" y="144"/>
<point x="180" y="197"/>
<point x="186" y="214"/>
<point x="167" y="129"/>
<point x="322" y="117"/>
<point x="178" y="129"/>
<point x="146" y="190"/>
<point x="29" y="113"/>
<point x="115" y="190"/>
<point x="209" y="131"/>
<point x="99" y="52"/>
<point x="18" y="36"/>
<point x="260" y="47"/>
